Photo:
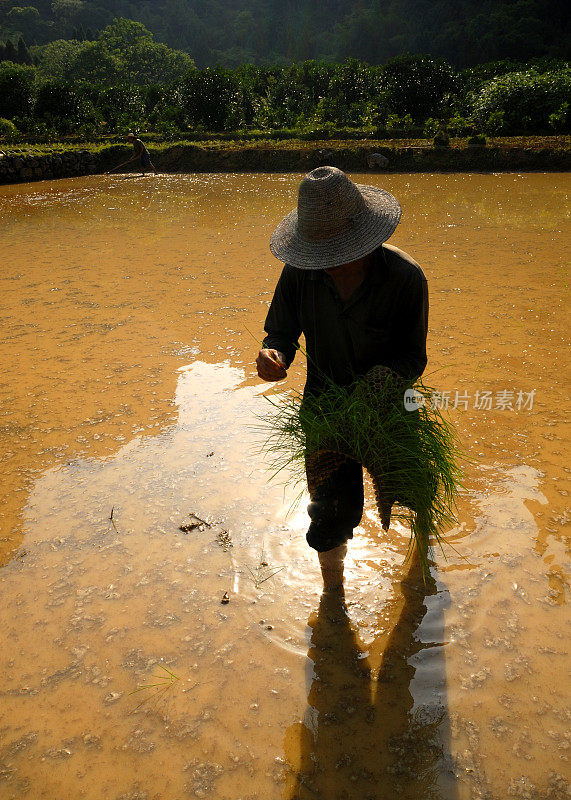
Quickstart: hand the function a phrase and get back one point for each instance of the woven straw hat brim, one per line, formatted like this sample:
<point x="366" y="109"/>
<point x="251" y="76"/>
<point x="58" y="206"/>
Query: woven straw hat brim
<point x="374" y="226"/>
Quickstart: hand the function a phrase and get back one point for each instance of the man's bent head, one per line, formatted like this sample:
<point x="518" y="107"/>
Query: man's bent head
<point x="336" y="221"/>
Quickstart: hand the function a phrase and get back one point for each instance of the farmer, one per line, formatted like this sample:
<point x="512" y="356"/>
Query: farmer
<point x="359" y="303"/>
<point x="141" y="153"/>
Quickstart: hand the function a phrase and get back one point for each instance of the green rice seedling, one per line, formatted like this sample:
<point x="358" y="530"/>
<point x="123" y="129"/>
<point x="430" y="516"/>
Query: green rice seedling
<point x="164" y="682"/>
<point x="411" y="456"/>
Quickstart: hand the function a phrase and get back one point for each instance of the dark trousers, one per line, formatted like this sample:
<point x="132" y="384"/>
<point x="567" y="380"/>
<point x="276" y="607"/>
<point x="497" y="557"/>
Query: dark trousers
<point x="336" y="507"/>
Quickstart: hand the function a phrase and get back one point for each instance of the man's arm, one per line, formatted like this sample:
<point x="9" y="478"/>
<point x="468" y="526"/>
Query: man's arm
<point x="282" y="328"/>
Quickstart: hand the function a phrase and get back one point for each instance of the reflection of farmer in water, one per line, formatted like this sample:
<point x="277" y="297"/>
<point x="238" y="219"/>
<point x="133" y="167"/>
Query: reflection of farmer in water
<point x="359" y="303"/>
<point x="363" y="736"/>
<point x="140" y="152"/>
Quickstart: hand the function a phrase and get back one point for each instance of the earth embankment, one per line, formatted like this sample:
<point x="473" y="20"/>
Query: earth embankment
<point x="521" y="154"/>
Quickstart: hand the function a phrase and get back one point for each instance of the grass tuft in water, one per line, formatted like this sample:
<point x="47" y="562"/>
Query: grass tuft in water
<point x="164" y="681"/>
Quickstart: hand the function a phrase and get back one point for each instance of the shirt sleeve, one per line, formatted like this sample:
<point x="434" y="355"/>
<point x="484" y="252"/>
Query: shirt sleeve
<point x="410" y="356"/>
<point x="283" y="327"/>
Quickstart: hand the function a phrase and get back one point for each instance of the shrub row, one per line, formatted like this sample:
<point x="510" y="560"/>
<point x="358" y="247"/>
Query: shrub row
<point x="413" y="94"/>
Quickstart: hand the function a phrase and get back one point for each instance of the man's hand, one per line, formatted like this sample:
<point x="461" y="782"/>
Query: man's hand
<point x="271" y="365"/>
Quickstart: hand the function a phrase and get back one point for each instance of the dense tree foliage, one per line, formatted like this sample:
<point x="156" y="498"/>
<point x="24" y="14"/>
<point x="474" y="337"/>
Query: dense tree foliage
<point x="17" y="90"/>
<point x="313" y="99"/>
<point x="123" y="51"/>
<point x="234" y="32"/>
<point x="417" y="85"/>
<point x="522" y="99"/>
<point x="121" y="78"/>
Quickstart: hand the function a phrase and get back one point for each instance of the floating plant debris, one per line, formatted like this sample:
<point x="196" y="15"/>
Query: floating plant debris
<point x="195" y="522"/>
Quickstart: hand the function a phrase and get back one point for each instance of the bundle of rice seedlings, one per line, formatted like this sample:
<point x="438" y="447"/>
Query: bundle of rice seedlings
<point x="411" y="456"/>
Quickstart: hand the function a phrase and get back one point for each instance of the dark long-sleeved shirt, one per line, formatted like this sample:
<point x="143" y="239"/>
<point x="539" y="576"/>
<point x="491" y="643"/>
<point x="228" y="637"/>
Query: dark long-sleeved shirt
<point x="385" y="321"/>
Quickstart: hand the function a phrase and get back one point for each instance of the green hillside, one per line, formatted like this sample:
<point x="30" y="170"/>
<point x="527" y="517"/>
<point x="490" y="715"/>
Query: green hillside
<point x="232" y="32"/>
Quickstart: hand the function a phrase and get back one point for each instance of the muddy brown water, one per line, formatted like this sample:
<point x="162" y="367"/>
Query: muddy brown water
<point x="130" y="313"/>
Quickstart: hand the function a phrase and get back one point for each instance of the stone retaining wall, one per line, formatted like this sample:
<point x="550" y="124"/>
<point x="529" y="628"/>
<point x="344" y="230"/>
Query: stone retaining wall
<point x="360" y="158"/>
<point x="248" y="157"/>
<point x="17" y="168"/>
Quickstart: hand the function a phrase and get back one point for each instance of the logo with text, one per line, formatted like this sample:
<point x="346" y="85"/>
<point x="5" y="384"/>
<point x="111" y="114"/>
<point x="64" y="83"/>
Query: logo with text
<point x="413" y="400"/>
<point x="482" y="400"/>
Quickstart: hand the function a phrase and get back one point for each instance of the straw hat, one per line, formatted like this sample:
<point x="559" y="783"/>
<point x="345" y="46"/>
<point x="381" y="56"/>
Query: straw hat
<point x="336" y="221"/>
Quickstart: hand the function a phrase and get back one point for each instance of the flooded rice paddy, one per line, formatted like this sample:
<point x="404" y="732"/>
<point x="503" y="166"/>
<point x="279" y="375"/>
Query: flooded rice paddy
<point x="131" y="315"/>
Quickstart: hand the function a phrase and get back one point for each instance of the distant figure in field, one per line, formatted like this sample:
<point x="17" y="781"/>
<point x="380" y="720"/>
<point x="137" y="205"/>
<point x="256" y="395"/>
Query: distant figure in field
<point x="141" y="153"/>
